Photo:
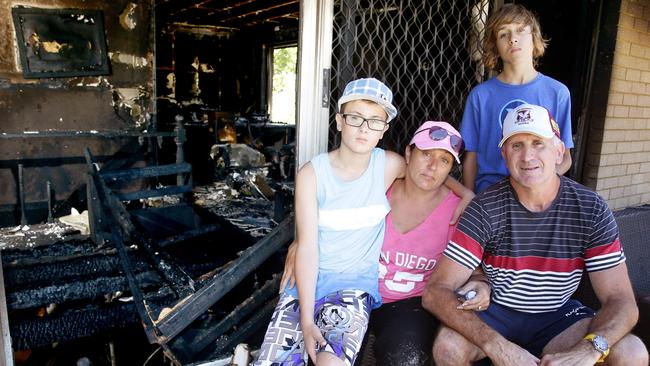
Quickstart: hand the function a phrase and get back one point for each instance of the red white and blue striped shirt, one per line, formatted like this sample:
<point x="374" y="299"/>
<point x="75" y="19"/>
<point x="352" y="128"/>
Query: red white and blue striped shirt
<point x="535" y="260"/>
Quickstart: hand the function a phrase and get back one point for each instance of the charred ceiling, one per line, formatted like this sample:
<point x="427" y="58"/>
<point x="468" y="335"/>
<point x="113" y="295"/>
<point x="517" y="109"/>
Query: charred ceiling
<point x="229" y="13"/>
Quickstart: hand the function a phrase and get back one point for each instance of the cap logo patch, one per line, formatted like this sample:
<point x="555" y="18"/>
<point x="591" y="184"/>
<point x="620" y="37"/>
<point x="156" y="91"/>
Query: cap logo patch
<point x="523" y="117"/>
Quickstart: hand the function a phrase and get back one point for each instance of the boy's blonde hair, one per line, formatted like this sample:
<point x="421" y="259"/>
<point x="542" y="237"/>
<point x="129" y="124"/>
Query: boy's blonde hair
<point x="507" y="14"/>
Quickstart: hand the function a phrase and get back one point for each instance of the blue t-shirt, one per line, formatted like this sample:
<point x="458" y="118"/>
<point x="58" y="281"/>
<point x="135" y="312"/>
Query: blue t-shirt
<point x="486" y="107"/>
<point x="351" y="222"/>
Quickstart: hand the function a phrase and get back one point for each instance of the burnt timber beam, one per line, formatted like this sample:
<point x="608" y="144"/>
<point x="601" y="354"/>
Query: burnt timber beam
<point x="21" y="194"/>
<point x="227" y="343"/>
<point x="243" y="310"/>
<point x="114" y="238"/>
<point x="55" y="270"/>
<point x="190" y="234"/>
<point x="192" y="307"/>
<point x="145" y="172"/>
<point x="7" y="356"/>
<point x="270" y="16"/>
<point x="67" y="134"/>
<point x="245" y="13"/>
<point x="168" y="6"/>
<point x="189" y="347"/>
<point x="159" y="192"/>
<point x="61" y="293"/>
<point x="138" y="299"/>
<point x="256" y="11"/>
<point x="53" y="260"/>
<point x="42" y="332"/>
<point x="179" y="281"/>
<point x="181" y="137"/>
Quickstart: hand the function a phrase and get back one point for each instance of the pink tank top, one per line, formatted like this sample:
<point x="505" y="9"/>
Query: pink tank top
<point x="407" y="259"/>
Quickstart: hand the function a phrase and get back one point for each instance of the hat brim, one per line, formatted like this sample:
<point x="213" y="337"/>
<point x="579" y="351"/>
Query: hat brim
<point x="390" y="109"/>
<point x="503" y="140"/>
<point x="439" y="147"/>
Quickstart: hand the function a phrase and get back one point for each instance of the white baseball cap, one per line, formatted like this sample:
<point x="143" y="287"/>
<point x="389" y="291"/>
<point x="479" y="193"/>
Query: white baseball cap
<point x="529" y="118"/>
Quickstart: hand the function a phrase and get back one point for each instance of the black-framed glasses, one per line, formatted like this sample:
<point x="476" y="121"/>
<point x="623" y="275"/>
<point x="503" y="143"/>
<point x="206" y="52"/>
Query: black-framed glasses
<point x="356" y="121"/>
<point x="437" y="133"/>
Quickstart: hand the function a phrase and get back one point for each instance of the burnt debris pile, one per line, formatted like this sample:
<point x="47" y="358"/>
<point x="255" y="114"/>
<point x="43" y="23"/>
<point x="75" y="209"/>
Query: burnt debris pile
<point x="197" y="268"/>
<point x="217" y="280"/>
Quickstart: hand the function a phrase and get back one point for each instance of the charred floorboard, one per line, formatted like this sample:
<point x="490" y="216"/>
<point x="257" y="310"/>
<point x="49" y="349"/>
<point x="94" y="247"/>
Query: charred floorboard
<point x="101" y="287"/>
<point x="56" y="270"/>
<point x="42" y="331"/>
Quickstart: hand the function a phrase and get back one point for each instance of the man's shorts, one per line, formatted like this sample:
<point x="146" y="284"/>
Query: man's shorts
<point x="533" y="331"/>
<point x="341" y="316"/>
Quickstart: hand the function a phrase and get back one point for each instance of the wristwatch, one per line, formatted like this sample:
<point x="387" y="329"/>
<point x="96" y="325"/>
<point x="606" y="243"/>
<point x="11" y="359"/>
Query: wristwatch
<point x="600" y="344"/>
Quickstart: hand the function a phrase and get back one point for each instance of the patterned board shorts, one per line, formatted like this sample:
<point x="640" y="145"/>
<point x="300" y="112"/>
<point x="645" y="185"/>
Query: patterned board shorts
<point x="341" y="316"/>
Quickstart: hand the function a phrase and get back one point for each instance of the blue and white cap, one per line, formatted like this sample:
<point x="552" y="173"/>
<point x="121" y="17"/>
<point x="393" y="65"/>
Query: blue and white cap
<point x="369" y="89"/>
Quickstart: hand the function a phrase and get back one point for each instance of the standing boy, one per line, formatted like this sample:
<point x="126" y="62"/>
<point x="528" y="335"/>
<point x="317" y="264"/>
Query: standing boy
<point x="512" y="47"/>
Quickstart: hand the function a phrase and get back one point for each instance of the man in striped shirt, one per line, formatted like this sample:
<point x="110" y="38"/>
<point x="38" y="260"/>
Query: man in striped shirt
<point x="534" y="233"/>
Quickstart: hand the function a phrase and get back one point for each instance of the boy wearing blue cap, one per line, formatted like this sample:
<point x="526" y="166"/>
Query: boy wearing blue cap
<point x="340" y="211"/>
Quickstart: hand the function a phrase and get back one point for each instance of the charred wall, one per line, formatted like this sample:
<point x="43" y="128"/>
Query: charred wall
<point x="121" y="100"/>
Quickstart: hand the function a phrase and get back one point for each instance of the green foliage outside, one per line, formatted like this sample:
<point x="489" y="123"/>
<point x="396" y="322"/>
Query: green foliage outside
<point x="283" y="105"/>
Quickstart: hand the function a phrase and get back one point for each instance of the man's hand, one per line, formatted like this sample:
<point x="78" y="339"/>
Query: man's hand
<point x="510" y="354"/>
<point x="313" y="339"/>
<point x="289" y="275"/>
<point x="480" y="301"/>
<point x="582" y="354"/>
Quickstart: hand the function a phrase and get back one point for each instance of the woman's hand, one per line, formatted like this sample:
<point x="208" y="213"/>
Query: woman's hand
<point x="289" y="275"/>
<point x="482" y="292"/>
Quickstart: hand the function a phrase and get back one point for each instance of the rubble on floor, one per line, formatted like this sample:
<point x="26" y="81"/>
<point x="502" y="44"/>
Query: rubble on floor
<point x="243" y="197"/>
<point x="29" y="236"/>
<point x="253" y="215"/>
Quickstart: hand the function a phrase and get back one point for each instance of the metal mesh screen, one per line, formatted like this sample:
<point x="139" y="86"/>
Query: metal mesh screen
<point x="427" y="51"/>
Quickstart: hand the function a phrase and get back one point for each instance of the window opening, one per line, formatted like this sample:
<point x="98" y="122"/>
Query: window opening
<point x="283" y="84"/>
